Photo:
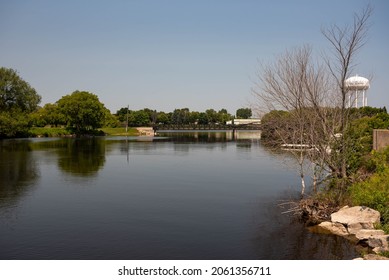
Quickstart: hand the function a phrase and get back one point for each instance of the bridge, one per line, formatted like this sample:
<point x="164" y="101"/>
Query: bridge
<point x="233" y="127"/>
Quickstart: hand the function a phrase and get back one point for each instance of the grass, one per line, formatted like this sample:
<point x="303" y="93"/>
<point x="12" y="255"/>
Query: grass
<point x="120" y="131"/>
<point x="61" y="131"/>
<point x="48" y="132"/>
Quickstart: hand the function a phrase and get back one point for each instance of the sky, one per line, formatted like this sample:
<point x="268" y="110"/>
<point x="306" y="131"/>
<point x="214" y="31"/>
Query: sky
<point x="169" y="54"/>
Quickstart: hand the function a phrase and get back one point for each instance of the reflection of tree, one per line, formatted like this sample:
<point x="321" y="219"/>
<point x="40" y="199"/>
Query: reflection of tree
<point x="17" y="169"/>
<point x="82" y="157"/>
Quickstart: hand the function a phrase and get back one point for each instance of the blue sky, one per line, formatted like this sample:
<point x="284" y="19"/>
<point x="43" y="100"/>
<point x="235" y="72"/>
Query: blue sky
<point x="174" y="54"/>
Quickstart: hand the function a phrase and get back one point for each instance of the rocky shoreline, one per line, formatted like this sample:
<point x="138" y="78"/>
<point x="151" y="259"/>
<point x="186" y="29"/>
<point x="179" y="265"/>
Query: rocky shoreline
<point x="357" y="224"/>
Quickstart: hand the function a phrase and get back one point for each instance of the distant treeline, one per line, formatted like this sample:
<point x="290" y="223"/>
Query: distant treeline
<point x="178" y="116"/>
<point x="82" y="112"/>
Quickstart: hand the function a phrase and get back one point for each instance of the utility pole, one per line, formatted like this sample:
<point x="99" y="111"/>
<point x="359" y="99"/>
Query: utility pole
<point x="128" y="107"/>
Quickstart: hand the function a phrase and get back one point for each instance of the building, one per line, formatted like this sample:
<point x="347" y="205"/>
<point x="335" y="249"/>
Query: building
<point x="244" y="121"/>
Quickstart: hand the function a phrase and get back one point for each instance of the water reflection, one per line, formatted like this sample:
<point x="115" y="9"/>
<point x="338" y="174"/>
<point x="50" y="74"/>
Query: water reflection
<point x="200" y="198"/>
<point x="82" y="157"/>
<point x="18" y="169"/>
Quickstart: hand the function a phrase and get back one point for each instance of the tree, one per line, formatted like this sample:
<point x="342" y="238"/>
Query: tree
<point x="243" y="113"/>
<point x="294" y="84"/>
<point x="48" y="115"/>
<point x="203" y="118"/>
<point x="15" y="93"/>
<point x="194" y="117"/>
<point x="110" y="120"/>
<point x="138" y="118"/>
<point x="315" y="100"/>
<point x="122" y="114"/>
<point x="223" y="116"/>
<point x="163" y="118"/>
<point x="17" y="100"/>
<point x="83" y="111"/>
<point x="181" y="116"/>
<point x="346" y="42"/>
<point x="211" y="115"/>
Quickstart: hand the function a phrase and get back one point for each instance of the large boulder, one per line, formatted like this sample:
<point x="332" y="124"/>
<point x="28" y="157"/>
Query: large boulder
<point x="333" y="228"/>
<point x="362" y="215"/>
<point x="357" y="224"/>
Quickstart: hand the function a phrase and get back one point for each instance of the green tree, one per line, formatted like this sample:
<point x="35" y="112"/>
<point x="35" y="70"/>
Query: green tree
<point x="223" y="116"/>
<point x="243" y="113"/>
<point x="138" y="118"/>
<point x="211" y="115"/>
<point x="163" y="118"/>
<point x="203" y="118"/>
<point x="194" y="117"/>
<point x="152" y="114"/>
<point x="122" y="114"/>
<point x="15" y="93"/>
<point x="48" y="115"/>
<point x="17" y="100"/>
<point x="83" y="111"/>
<point x="111" y="120"/>
<point x="181" y="116"/>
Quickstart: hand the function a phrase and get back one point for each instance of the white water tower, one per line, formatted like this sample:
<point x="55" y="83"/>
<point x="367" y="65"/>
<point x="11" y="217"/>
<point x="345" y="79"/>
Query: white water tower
<point x="357" y="86"/>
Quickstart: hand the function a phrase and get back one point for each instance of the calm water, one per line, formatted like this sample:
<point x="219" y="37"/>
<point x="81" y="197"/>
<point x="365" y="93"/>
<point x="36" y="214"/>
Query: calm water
<point x="179" y="196"/>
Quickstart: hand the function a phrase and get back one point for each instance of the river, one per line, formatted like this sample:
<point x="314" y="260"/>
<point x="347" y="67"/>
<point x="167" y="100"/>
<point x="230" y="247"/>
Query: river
<point x="192" y="195"/>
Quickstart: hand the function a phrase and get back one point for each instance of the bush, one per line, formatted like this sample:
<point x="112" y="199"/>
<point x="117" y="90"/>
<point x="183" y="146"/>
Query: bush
<point x="374" y="192"/>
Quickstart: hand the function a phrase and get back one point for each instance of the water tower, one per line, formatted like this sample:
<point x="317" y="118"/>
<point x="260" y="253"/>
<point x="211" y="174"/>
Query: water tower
<point x="357" y="86"/>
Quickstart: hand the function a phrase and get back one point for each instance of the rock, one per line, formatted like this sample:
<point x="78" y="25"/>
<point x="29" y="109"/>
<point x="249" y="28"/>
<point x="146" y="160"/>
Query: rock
<point x="334" y="228"/>
<point x="357" y="224"/>
<point x="374" y="257"/>
<point x="368" y="233"/>
<point x="378" y="241"/>
<point x="356" y="214"/>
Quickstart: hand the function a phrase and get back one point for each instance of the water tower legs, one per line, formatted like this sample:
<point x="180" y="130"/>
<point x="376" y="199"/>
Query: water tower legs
<point x="356" y="99"/>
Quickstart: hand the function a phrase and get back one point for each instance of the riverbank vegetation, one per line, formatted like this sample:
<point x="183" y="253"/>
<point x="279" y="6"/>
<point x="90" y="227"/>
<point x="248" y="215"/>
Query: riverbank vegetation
<point x="308" y="105"/>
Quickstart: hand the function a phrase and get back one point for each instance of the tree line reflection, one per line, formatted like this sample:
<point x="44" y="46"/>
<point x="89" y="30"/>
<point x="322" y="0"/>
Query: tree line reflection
<point x="84" y="157"/>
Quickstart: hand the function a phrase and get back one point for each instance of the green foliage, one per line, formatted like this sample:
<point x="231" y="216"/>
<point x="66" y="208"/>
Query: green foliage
<point x="110" y="120"/>
<point x="224" y="116"/>
<point x="181" y="116"/>
<point x="366" y="112"/>
<point x="138" y="118"/>
<point x="212" y="116"/>
<point x="121" y="114"/>
<point x="83" y="111"/>
<point x="13" y="124"/>
<point x="48" y="115"/>
<point x="271" y="122"/>
<point x="15" y="93"/>
<point x="374" y="192"/>
<point x="163" y="118"/>
<point x="243" y="113"/>
<point x="17" y="100"/>
<point x="360" y="135"/>
<point x="202" y="118"/>
<point x="48" y="132"/>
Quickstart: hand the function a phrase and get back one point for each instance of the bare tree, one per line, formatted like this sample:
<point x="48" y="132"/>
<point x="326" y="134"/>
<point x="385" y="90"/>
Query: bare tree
<point x="313" y="94"/>
<point x="346" y="42"/>
<point x="297" y="85"/>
